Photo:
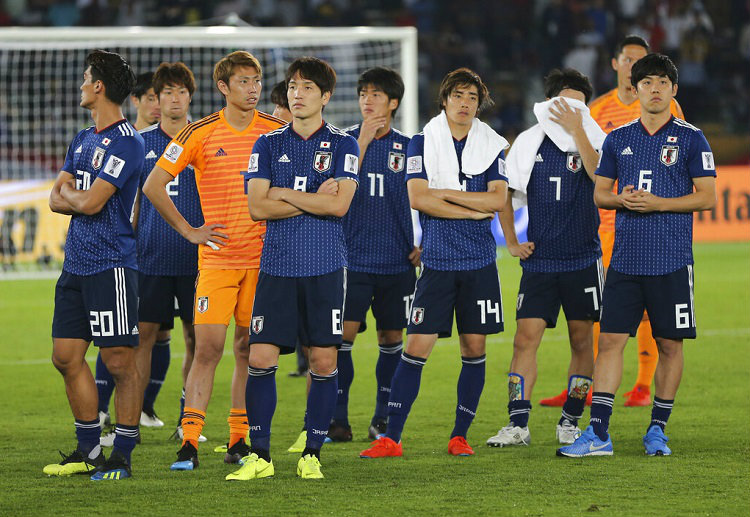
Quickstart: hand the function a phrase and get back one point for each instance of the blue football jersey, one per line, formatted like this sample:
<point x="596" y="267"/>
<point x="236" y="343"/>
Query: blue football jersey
<point x="563" y="219"/>
<point x="378" y="228"/>
<point x="161" y="249"/>
<point x="103" y="241"/>
<point x="456" y="244"/>
<point x="307" y="244"/>
<point x="664" y="164"/>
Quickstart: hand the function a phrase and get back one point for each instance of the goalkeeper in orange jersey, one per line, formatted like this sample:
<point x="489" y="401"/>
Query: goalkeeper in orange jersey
<point x="610" y="111"/>
<point x="218" y="147"/>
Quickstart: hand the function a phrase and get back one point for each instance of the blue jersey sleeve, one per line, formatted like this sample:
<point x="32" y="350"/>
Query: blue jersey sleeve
<point x="346" y="161"/>
<point x="607" y="161"/>
<point x="701" y="159"/>
<point x="69" y="165"/>
<point x="496" y="171"/>
<point x="259" y="165"/>
<point x="415" y="159"/>
<point x="123" y="161"/>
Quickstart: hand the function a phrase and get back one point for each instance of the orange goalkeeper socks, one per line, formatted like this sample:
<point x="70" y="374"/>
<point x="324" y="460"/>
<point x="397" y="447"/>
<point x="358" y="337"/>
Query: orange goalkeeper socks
<point x="238" y="426"/>
<point x="192" y="425"/>
<point x="648" y="355"/>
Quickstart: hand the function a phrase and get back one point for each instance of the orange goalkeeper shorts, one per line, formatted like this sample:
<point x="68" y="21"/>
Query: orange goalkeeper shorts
<point x="221" y="293"/>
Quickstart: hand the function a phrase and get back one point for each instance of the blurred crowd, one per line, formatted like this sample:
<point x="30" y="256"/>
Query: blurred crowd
<point x="511" y="43"/>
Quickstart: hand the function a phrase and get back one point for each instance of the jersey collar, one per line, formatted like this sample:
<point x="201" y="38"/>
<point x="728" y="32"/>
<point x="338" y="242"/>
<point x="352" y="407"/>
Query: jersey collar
<point x="640" y="121"/>
<point x="635" y="105"/>
<point x="390" y="130"/>
<point x="113" y="124"/>
<point x="164" y="133"/>
<point x="232" y="129"/>
<point x="291" y="127"/>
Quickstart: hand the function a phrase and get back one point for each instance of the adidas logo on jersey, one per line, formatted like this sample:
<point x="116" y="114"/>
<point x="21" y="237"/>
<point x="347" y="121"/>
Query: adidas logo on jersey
<point x="626" y="151"/>
<point x="151" y="154"/>
<point x="221" y="152"/>
<point x="539" y="157"/>
<point x="284" y="159"/>
<point x="134" y="332"/>
<point x="79" y="149"/>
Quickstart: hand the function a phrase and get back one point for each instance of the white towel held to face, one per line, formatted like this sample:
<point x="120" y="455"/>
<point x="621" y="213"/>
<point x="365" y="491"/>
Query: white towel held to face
<point x="523" y="155"/>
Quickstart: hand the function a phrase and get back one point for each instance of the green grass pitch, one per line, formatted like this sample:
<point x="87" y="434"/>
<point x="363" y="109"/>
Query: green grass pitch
<point x="708" y="473"/>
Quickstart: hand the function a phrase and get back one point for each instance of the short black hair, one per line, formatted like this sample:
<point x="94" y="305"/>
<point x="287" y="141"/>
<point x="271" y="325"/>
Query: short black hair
<point x="653" y="64"/>
<point x="112" y="70"/>
<point x="460" y="77"/>
<point x="385" y="79"/>
<point x="171" y="74"/>
<point x="143" y="82"/>
<point x="278" y="95"/>
<point x="315" y="70"/>
<point x="631" y="39"/>
<point x="558" y="80"/>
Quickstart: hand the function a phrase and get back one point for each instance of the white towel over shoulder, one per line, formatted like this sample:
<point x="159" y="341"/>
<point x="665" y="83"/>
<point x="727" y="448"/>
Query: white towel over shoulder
<point x="483" y="145"/>
<point x="523" y="154"/>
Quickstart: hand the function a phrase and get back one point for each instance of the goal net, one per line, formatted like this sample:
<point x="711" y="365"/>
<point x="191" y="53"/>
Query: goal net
<point x="41" y="71"/>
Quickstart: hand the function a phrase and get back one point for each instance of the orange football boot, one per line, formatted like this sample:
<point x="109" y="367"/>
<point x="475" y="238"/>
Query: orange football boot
<point x="639" y="396"/>
<point x="459" y="447"/>
<point x="383" y="447"/>
<point x="559" y="400"/>
<point x="556" y="401"/>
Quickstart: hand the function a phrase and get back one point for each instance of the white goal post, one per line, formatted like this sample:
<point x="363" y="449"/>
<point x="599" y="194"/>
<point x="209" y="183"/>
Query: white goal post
<point x="41" y="70"/>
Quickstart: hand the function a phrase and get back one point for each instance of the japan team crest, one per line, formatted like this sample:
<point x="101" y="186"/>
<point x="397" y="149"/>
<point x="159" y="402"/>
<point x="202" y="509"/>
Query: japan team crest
<point x="574" y="162"/>
<point x="396" y="161"/>
<point x="257" y="324"/>
<point x="202" y="305"/>
<point x="417" y="315"/>
<point x="98" y="159"/>
<point x="669" y="154"/>
<point x="322" y="160"/>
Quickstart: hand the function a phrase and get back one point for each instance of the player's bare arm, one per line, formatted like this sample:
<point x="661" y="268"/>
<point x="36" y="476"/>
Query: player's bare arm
<point x="571" y="121"/>
<point x="507" y="222"/>
<point x="155" y="190"/>
<point x="262" y="207"/>
<point x="56" y="202"/>
<point x="424" y="199"/>
<point x="488" y="202"/>
<point x="87" y="202"/>
<point x="321" y="204"/>
<point x="703" y="198"/>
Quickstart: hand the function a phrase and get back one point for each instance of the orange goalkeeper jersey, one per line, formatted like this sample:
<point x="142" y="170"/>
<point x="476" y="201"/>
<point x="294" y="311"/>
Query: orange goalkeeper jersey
<point x="220" y="154"/>
<point x="610" y="113"/>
